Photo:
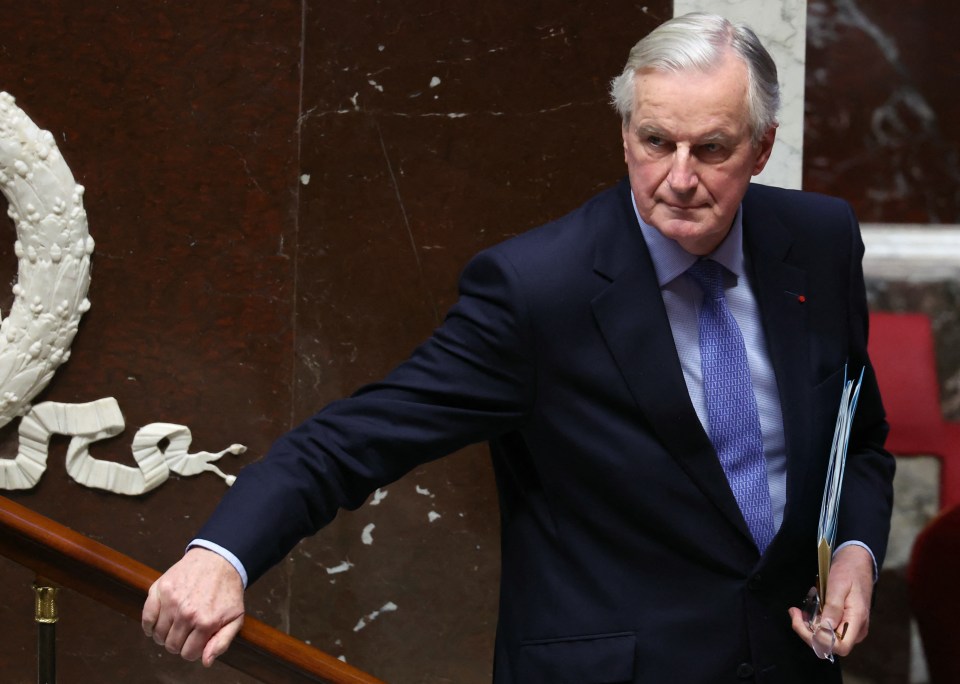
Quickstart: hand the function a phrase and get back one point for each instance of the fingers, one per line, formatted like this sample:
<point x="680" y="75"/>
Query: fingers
<point x="845" y="617"/>
<point x="821" y="635"/>
<point x="157" y="617"/>
<point x="800" y="625"/>
<point x="178" y="626"/>
<point x="196" y="608"/>
<point x="849" y="630"/>
<point x="843" y="620"/>
<point x="151" y="611"/>
<point x="218" y="644"/>
<point x="848" y="606"/>
<point x="834" y="614"/>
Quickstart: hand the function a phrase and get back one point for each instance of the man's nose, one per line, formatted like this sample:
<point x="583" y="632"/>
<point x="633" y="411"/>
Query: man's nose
<point x="682" y="177"/>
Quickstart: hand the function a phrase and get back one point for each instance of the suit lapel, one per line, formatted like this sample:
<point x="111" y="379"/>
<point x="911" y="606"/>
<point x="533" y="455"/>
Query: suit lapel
<point x="633" y="321"/>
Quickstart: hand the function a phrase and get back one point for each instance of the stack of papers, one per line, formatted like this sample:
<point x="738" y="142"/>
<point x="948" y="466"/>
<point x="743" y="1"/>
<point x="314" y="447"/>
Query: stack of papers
<point x="829" y="508"/>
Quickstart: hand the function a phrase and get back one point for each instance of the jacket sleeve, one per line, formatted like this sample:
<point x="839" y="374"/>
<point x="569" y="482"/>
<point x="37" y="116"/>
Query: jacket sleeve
<point x="867" y="497"/>
<point x="471" y="380"/>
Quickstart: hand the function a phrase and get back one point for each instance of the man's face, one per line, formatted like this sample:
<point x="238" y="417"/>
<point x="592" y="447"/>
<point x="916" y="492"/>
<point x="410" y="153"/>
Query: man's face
<point x="689" y="152"/>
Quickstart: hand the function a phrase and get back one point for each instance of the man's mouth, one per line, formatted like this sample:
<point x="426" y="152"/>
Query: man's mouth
<point x="681" y="208"/>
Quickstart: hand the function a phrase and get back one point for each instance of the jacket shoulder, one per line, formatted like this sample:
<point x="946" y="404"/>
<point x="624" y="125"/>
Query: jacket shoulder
<point x="572" y="238"/>
<point x="786" y="202"/>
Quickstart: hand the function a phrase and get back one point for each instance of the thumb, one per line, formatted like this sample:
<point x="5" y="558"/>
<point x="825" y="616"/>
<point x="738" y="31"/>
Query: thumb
<point x="832" y="614"/>
<point x="220" y="641"/>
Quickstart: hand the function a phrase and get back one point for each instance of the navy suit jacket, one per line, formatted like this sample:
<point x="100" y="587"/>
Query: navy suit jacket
<point x="625" y="557"/>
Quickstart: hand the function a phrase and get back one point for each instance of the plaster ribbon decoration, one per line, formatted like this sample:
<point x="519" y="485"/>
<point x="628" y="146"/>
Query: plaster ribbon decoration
<point x="100" y="420"/>
<point x="53" y="250"/>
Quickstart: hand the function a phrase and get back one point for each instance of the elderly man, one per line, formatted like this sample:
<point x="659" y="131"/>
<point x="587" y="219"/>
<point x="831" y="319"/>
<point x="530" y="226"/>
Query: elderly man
<point x="658" y="375"/>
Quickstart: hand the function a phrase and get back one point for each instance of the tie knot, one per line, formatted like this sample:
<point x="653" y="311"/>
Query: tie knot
<point x="708" y="274"/>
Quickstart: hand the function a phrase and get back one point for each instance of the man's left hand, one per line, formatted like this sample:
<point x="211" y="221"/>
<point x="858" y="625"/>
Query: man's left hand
<point x="849" y="591"/>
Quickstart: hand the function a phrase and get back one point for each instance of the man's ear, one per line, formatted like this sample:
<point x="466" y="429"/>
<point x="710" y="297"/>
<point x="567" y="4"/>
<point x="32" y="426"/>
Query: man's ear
<point x="764" y="148"/>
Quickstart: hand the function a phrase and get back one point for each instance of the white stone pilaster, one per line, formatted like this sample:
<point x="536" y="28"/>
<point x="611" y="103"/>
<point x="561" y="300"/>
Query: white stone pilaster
<point x="782" y="26"/>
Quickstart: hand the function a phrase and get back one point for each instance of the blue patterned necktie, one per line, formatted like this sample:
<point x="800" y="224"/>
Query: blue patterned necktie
<point x="731" y="404"/>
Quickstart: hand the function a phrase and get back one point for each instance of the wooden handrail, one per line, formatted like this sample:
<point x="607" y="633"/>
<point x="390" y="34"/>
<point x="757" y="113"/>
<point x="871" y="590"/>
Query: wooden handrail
<point x="72" y="560"/>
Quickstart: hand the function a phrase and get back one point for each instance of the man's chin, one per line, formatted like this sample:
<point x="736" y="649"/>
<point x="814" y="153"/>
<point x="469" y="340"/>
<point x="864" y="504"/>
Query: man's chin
<point x="694" y="236"/>
<point x="677" y="228"/>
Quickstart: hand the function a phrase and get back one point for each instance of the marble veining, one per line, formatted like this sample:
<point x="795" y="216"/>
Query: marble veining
<point x="877" y="128"/>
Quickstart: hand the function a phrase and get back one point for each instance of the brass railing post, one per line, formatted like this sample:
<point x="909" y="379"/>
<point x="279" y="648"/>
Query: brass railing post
<point x="45" y="615"/>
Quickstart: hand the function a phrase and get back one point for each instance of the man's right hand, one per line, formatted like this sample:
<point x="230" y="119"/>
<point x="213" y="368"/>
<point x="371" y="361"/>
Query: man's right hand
<point x="196" y="607"/>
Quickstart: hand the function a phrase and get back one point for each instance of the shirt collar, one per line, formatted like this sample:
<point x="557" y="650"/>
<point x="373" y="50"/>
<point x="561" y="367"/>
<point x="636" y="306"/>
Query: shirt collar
<point x="671" y="260"/>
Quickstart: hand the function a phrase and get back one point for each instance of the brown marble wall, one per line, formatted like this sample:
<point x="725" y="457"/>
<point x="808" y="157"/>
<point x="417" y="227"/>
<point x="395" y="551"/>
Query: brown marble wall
<point x="882" y="106"/>
<point x="282" y="194"/>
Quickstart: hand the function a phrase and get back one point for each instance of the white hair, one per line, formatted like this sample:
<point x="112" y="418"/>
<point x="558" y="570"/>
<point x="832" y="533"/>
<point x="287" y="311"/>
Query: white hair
<point x="698" y="41"/>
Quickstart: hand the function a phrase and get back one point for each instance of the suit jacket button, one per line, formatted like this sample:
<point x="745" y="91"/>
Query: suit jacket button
<point x="745" y="670"/>
<point x="754" y="583"/>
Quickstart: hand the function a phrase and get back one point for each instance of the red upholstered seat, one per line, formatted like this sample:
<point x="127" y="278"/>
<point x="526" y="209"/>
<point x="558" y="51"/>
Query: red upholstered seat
<point x="902" y="351"/>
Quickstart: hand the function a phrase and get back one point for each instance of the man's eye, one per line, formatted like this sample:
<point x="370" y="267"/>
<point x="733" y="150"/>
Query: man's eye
<point x="654" y="141"/>
<point x="712" y="152"/>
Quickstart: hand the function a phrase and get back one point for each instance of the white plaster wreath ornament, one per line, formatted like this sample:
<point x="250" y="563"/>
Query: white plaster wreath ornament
<point x="53" y="250"/>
